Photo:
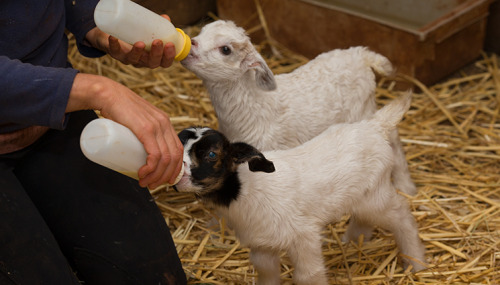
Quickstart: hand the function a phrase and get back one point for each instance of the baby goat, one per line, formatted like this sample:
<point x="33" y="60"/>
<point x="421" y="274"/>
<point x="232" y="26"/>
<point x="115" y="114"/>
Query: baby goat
<point x="282" y="199"/>
<point x="282" y="111"/>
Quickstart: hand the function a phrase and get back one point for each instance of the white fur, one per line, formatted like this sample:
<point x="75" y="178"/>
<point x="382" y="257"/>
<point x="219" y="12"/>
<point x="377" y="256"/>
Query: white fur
<point x="274" y="112"/>
<point x="344" y="170"/>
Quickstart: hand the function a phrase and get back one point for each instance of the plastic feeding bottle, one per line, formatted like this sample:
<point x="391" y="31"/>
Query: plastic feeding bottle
<point x="130" y="22"/>
<point x="110" y="144"/>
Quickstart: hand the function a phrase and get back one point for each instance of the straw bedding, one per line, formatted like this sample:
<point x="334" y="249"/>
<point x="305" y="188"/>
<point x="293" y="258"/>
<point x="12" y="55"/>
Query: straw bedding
<point x="451" y="136"/>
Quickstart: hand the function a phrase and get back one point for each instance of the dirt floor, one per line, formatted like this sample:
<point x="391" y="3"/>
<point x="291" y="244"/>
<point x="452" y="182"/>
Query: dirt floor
<point x="451" y="136"/>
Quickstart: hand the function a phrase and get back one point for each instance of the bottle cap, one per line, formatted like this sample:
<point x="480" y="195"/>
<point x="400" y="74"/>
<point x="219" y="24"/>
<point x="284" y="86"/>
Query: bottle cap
<point x="186" y="48"/>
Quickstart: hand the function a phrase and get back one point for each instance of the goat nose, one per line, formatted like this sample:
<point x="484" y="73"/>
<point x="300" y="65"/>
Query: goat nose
<point x="194" y="42"/>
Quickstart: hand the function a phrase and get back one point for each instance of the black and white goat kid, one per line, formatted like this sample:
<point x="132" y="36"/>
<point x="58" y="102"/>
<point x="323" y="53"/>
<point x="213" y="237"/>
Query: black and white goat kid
<point x="281" y="200"/>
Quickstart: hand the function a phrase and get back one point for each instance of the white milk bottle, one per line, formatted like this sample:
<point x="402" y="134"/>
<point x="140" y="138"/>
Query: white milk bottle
<point x="131" y="23"/>
<point x="114" y="146"/>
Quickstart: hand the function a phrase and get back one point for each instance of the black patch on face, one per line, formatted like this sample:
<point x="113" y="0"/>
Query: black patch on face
<point x="229" y="191"/>
<point x="204" y="166"/>
<point x="212" y="167"/>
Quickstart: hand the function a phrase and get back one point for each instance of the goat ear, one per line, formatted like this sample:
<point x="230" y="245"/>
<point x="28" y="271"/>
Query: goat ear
<point x="242" y="152"/>
<point x="264" y="77"/>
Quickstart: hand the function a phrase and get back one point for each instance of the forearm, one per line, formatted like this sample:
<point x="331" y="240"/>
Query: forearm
<point x="87" y="93"/>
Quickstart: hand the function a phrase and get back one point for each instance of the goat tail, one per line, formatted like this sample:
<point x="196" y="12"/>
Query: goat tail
<point x="390" y="115"/>
<point x="378" y="62"/>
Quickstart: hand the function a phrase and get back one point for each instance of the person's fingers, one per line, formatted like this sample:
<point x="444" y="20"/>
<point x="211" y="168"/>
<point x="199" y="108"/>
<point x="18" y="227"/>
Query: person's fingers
<point x="114" y="46"/>
<point x="176" y="152"/>
<point x="168" y="55"/>
<point x="166" y="17"/>
<point x="148" y="138"/>
<point x="164" y="157"/>
<point x="177" y="155"/>
<point x="155" y="54"/>
<point x="165" y="169"/>
<point x="134" y="56"/>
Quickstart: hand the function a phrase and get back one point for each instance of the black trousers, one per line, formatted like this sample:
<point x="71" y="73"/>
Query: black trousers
<point x="64" y="218"/>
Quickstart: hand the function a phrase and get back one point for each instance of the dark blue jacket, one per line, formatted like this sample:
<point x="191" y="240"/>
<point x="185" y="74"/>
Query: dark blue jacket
<point x="35" y="76"/>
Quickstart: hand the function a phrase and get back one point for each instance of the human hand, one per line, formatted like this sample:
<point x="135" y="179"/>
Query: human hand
<point x="136" y="55"/>
<point x="151" y="125"/>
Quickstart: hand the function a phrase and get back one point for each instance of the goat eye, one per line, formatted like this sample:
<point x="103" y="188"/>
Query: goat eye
<point x="212" y="155"/>
<point x="225" y="50"/>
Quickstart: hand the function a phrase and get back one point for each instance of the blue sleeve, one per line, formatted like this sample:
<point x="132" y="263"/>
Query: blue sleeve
<point x="47" y="88"/>
<point x="79" y="21"/>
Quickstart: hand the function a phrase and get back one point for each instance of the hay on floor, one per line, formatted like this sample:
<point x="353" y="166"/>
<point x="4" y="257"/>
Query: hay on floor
<point x="451" y="136"/>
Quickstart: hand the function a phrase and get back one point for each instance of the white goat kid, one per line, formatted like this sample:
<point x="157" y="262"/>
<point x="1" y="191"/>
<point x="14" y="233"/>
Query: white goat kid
<point x="281" y="111"/>
<point x="282" y="199"/>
